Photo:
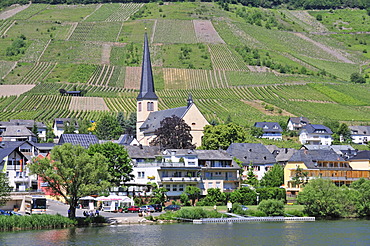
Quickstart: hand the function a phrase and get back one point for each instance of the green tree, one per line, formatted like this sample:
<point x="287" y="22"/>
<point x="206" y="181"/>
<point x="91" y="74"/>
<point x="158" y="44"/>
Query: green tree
<point x="363" y="199"/>
<point x="131" y="125"/>
<point x="119" y="163"/>
<point x="272" y="207"/>
<point x="159" y="196"/>
<point x="4" y="189"/>
<point x="256" y="131"/>
<point x="357" y="78"/>
<point x="72" y="173"/>
<point x="321" y="198"/>
<point x="274" y="193"/>
<point x="300" y="178"/>
<point x="108" y="128"/>
<point x="83" y="126"/>
<point x="193" y="193"/>
<point x="345" y="132"/>
<point x="244" y="195"/>
<point x="214" y="197"/>
<point x="173" y="133"/>
<point x="184" y="198"/>
<point x="35" y="131"/>
<point x="49" y="134"/>
<point x="251" y="177"/>
<point x="70" y="127"/>
<point x="273" y="177"/>
<point x="221" y="136"/>
<point x="121" y="120"/>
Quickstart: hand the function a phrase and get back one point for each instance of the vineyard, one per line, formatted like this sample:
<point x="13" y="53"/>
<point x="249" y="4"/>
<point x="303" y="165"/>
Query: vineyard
<point x="233" y="62"/>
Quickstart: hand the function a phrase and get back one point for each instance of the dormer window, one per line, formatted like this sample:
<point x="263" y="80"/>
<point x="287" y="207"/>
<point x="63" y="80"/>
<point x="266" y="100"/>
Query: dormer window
<point x="275" y="127"/>
<point x="265" y="127"/>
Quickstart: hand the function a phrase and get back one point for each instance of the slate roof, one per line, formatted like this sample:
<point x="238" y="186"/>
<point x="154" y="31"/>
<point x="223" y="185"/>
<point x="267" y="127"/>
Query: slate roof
<point x="85" y="140"/>
<point x="44" y="146"/>
<point x="17" y="131"/>
<point x="143" y="152"/>
<point x="254" y="153"/>
<point x="361" y="155"/>
<point x="281" y="154"/>
<point x="147" y="83"/>
<point x="5" y="152"/>
<point x="310" y="157"/>
<point x="27" y="123"/>
<point x="317" y="129"/>
<point x="154" y="119"/>
<point x="125" y="139"/>
<point x="11" y="144"/>
<point x="360" y="130"/>
<point x="59" y="122"/>
<point x="299" y="120"/>
<point x="269" y="126"/>
<point x="213" y="155"/>
<point x="179" y="152"/>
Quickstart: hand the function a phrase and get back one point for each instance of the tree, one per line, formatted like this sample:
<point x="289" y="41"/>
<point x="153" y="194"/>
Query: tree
<point x="173" y="133"/>
<point x="159" y="196"/>
<point x="273" y="177"/>
<point x="214" y="197"/>
<point x="300" y="178"/>
<point x="49" y="134"/>
<point x="35" y="131"/>
<point x="119" y="163"/>
<point x="321" y="198"/>
<point x="193" y="193"/>
<point x="131" y="125"/>
<point x="345" y="133"/>
<point x="357" y="78"/>
<point x="69" y="127"/>
<point x="108" y="128"/>
<point x="221" y="136"/>
<point x="83" y="126"/>
<point x="4" y="189"/>
<point x="256" y="131"/>
<point x="251" y="177"/>
<point x="184" y="198"/>
<point x="244" y="195"/>
<point x="72" y="173"/>
<point x="363" y="199"/>
<point x="272" y="207"/>
<point x="121" y="120"/>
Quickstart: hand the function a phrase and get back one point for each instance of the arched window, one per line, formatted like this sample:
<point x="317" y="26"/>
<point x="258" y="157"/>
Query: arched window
<point x="150" y="106"/>
<point x="139" y="106"/>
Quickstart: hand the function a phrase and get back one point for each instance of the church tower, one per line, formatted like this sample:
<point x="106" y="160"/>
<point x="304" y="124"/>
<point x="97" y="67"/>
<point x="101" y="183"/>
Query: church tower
<point x="147" y="100"/>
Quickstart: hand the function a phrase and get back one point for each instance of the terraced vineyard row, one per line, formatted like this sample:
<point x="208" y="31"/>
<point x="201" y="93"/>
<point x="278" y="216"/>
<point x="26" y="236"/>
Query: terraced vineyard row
<point x="175" y="78"/>
<point x="224" y="59"/>
<point x="91" y="31"/>
<point x="37" y="73"/>
<point x="4" y="25"/>
<point x="168" y="31"/>
<point x="102" y="75"/>
<point x="126" y="105"/>
<point x="124" y="12"/>
<point x="5" y="67"/>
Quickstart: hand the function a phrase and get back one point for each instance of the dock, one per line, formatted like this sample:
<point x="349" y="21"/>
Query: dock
<point x="251" y="219"/>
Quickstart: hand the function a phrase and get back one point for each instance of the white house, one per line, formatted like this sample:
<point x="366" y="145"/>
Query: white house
<point x="316" y="135"/>
<point x="360" y="134"/>
<point x="296" y="123"/>
<point x="271" y="130"/>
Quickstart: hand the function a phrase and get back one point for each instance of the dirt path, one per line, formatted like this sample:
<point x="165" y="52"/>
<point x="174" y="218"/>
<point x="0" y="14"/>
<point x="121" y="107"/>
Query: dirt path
<point x="9" y="13"/>
<point x="257" y="104"/>
<point x="325" y="48"/>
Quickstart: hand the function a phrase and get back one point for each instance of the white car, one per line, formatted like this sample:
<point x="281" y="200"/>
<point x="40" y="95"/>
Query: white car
<point x="147" y="208"/>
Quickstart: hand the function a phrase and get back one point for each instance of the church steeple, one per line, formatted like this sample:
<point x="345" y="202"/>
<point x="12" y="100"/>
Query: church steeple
<point x="190" y="100"/>
<point x="147" y="84"/>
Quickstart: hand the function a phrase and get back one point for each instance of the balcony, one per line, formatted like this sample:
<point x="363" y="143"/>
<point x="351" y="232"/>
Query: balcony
<point x="181" y="179"/>
<point x="19" y="179"/>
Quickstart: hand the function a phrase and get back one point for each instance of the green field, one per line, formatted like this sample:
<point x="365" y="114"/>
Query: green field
<point x="288" y="59"/>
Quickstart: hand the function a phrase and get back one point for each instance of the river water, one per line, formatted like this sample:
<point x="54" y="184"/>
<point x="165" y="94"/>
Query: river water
<point x="339" y="232"/>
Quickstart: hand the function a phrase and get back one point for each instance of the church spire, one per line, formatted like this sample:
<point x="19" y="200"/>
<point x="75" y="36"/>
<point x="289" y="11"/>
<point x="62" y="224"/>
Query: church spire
<point x="190" y="100"/>
<point x="147" y="83"/>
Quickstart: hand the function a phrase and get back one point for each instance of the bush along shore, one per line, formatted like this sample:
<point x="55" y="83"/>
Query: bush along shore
<point x="44" y="221"/>
<point x="188" y="213"/>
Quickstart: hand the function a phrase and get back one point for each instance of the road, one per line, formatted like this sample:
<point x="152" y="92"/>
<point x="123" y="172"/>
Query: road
<point x="56" y="207"/>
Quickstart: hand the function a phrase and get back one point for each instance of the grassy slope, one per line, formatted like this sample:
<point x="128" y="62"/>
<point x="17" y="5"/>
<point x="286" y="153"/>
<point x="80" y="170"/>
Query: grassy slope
<point x="64" y="36"/>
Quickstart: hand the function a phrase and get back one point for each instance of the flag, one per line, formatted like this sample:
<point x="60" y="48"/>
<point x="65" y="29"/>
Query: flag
<point x="21" y="164"/>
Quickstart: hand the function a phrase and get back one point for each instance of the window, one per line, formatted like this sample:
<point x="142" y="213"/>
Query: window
<point x="181" y="187"/>
<point x="139" y="107"/>
<point x="191" y="163"/>
<point x="218" y="185"/>
<point x="168" y="187"/>
<point x="150" y="106"/>
<point x="140" y="175"/>
<point x="217" y="173"/>
<point x="174" y="187"/>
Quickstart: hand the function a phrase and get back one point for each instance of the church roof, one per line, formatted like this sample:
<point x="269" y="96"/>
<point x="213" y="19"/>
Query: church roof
<point x="154" y="119"/>
<point x="147" y="83"/>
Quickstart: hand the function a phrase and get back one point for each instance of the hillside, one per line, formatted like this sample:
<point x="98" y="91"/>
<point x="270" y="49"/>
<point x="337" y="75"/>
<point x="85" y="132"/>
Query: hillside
<point x="234" y="60"/>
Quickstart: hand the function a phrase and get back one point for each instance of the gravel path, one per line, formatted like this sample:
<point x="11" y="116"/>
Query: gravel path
<point x="9" y="13"/>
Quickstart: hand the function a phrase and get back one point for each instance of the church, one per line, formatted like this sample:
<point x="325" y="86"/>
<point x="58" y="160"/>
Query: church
<point x="148" y="116"/>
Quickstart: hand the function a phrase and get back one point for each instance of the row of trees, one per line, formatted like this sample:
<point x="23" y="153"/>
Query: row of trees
<point x="322" y="198"/>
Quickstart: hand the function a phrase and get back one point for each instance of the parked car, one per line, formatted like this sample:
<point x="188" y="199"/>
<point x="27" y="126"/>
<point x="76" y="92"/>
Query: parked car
<point x="172" y="208"/>
<point x="2" y="212"/>
<point x="147" y="208"/>
<point x="14" y="213"/>
<point x="157" y="207"/>
<point x="133" y="209"/>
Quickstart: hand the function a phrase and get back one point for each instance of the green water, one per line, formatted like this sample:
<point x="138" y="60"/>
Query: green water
<point x="340" y="232"/>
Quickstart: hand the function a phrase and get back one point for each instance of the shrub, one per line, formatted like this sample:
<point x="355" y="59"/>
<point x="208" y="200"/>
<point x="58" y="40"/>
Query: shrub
<point x="272" y="207"/>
